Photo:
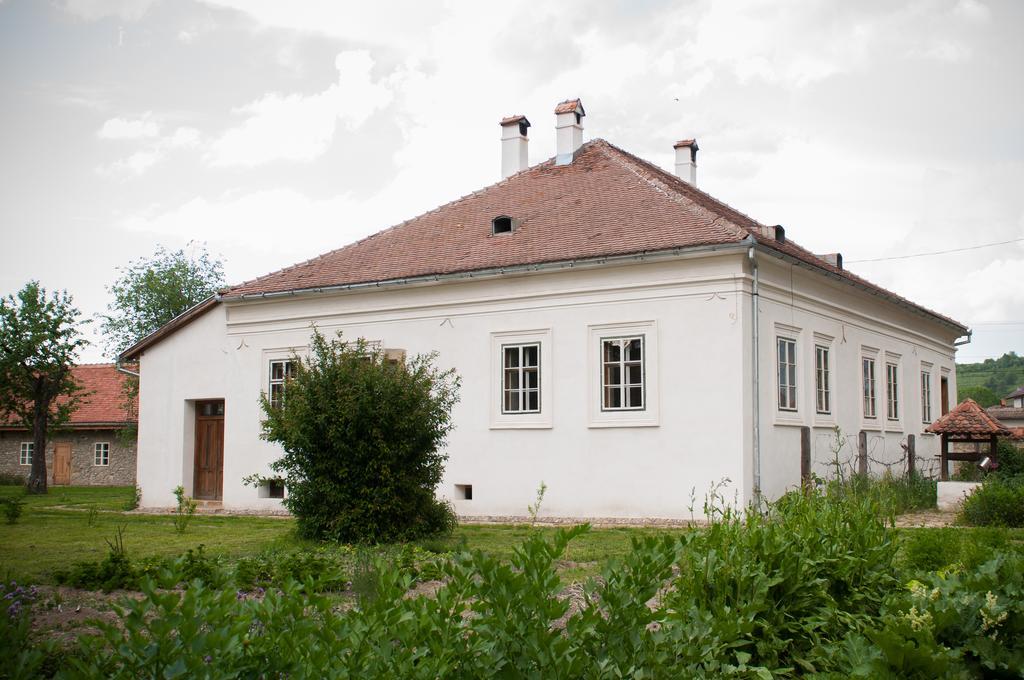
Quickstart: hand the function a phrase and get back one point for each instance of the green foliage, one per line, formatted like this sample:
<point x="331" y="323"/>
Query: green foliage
<point x="136" y="499"/>
<point x="894" y="495"/>
<point x="329" y="569"/>
<point x="184" y="511"/>
<point x="114" y="572"/>
<point x="932" y="549"/>
<point x="14" y="507"/>
<point x="39" y="342"/>
<point x="1001" y="376"/>
<point x="966" y="624"/>
<point x="1011" y="459"/>
<point x="979" y="393"/>
<point x="151" y="291"/>
<point x="11" y="479"/>
<point x="998" y="502"/>
<point x="363" y="442"/>
<point x="534" y="508"/>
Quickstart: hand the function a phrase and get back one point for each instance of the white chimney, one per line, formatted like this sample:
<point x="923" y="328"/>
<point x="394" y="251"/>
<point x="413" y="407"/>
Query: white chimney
<point x="568" y="129"/>
<point x="686" y="160"/>
<point x="514" y="145"/>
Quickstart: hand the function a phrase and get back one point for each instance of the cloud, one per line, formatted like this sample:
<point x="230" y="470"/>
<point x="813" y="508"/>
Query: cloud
<point x="155" y="152"/>
<point x="128" y="129"/>
<point x="301" y="128"/>
<point x="91" y="10"/>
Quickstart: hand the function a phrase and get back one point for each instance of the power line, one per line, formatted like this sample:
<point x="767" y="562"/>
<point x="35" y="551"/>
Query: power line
<point x="937" y="252"/>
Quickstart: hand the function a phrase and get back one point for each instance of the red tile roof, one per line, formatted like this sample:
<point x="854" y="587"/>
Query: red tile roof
<point x="1017" y="433"/>
<point x="683" y="142"/>
<point x="967" y="418"/>
<point x="606" y="202"/>
<point x="106" y="404"/>
<point x="1006" y="412"/>
<point x="513" y="119"/>
<point x="569" y="106"/>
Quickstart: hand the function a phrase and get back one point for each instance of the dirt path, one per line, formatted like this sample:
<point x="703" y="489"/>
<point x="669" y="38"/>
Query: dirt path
<point x="926" y="518"/>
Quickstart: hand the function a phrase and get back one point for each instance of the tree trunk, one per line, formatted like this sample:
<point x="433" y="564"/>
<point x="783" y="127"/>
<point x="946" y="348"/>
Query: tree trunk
<point x="37" y="478"/>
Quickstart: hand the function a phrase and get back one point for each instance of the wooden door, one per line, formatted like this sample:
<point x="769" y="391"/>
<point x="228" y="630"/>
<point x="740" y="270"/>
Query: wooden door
<point x="209" y="470"/>
<point x="944" y="383"/>
<point x="62" y="463"/>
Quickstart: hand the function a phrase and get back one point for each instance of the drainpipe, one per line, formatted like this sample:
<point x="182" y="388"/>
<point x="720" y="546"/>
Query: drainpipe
<point x="122" y="369"/>
<point x="755" y="337"/>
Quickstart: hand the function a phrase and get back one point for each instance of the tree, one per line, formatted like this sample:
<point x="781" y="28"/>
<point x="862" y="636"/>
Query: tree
<point x="362" y="439"/>
<point x="981" y="394"/>
<point x="39" y="343"/>
<point x="151" y="291"/>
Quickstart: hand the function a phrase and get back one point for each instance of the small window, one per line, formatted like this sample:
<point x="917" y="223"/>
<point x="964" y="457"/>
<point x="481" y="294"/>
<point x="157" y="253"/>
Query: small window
<point x="868" y="372"/>
<point x="275" y="488"/>
<point x="281" y="370"/>
<point x="101" y="454"/>
<point x="501" y="225"/>
<point x="464" y="492"/>
<point x="622" y="373"/>
<point x="787" y="373"/>
<point x="26" y="453"/>
<point x="892" y="391"/>
<point x="926" y="397"/>
<point x="520" y="390"/>
<point x="822" y="380"/>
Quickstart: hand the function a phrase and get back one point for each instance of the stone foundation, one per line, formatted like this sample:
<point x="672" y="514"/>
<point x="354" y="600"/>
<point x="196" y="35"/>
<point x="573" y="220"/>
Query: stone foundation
<point x="84" y="472"/>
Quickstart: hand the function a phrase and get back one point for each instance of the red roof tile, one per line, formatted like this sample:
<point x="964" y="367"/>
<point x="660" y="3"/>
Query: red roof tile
<point x="570" y="105"/>
<point x="684" y="142"/>
<point x="1017" y="433"/>
<point x="967" y="418"/>
<point x="606" y="202"/>
<point x="513" y="119"/>
<point x="106" y="404"/>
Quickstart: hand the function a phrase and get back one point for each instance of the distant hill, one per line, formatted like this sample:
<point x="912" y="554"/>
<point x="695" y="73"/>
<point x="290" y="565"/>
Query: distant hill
<point x="1002" y="375"/>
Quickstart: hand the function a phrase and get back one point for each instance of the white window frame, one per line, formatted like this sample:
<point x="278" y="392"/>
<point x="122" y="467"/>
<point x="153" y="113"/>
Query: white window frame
<point x="288" y="365"/>
<point x="822" y="379"/>
<point x="101" y="448"/>
<point x="520" y="370"/>
<point x="869" y="388"/>
<point x="926" y="394"/>
<point x="26" y="451"/>
<point x="788" y="400"/>
<point x="646" y="415"/>
<point x="893" y="385"/>
<point x="623" y="387"/>
<point x="527" y="420"/>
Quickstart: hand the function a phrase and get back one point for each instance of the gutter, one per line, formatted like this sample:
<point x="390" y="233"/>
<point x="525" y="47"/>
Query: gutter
<point x="967" y="340"/>
<point x="756" y="361"/>
<point x="493" y="272"/>
<point x="122" y="369"/>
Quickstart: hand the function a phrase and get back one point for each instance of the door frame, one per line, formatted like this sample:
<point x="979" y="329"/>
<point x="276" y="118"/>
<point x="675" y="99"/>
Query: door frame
<point x="218" y="415"/>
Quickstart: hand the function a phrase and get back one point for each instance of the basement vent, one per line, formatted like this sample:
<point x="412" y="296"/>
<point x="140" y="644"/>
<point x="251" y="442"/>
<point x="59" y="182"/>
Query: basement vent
<point x="464" y="492"/>
<point x="501" y="224"/>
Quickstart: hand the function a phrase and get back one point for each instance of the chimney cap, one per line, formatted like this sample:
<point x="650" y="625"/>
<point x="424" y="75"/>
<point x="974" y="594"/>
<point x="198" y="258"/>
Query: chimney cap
<point x="684" y="143"/>
<point x="571" y="106"/>
<point x="512" y="120"/>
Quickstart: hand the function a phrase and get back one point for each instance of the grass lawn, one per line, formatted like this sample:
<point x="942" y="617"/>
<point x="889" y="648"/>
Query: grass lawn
<point x="48" y="538"/>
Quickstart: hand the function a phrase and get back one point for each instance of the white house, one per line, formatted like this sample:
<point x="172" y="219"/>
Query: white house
<point x="622" y="336"/>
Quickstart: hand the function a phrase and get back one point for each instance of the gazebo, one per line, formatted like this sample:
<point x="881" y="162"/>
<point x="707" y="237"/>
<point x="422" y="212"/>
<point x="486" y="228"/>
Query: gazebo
<point x="967" y="423"/>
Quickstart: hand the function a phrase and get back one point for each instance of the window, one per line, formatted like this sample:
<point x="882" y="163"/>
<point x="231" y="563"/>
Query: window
<point x="520" y="392"/>
<point x="892" y="391"/>
<point x="622" y="373"/>
<point x="281" y="370"/>
<point x="787" y="373"/>
<point x="822" y="383"/>
<point x="26" y="453"/>
<point x="501" y="225"/>
<point x="868" y="371"/>
<point x="926" y="397"/>
<point x="101" y="454"/>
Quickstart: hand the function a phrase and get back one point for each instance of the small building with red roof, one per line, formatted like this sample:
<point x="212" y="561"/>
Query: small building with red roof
<point x="97" y="447"/>
<point x="622" y="335"/>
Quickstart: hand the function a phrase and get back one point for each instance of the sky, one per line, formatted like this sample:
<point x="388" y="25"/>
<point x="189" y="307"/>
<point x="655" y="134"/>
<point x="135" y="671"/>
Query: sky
<point x="274" y="131"/>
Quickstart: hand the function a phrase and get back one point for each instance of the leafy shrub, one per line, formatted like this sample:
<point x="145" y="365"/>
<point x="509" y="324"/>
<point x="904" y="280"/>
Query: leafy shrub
<point x="894" y="494"/>
<point x="362" y="438"/>
<point x="135" y="500"/>
<point x="14" y="507"/>
<point x="11" y="479"/>
<point x="952" y="625"/>
<point x="184" y="511"/>
<point x="932" y="549"/>
<point x="114" y="572"/>
<point x="998" y="502"/>
<point x="1011" y="459"/>
<point x="329" y="570"/>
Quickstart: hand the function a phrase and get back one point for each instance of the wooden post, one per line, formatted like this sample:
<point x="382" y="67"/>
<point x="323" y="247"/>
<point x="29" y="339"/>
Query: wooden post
<point x="862" y="453"/>
<point x="944" y="458"/>
<point x="805" y="455"/>
<point x="911" y="456"/>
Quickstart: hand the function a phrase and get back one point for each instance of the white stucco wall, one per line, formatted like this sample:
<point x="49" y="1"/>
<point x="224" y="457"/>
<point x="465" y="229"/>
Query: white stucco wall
<point x="814" y="309"/>
<point x="691" y="307"/>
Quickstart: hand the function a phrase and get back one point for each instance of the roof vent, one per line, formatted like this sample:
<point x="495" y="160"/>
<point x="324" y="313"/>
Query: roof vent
<point x="780" y="233"/>
<point x="514" y="145"/>
<point x="834" y="259"/>
<point x="686" y="160"/>
<point x="568" y="130"/>
<point x="502" y="224"/>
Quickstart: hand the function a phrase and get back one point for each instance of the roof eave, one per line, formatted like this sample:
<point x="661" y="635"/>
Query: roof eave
<point x="193" y="312"/>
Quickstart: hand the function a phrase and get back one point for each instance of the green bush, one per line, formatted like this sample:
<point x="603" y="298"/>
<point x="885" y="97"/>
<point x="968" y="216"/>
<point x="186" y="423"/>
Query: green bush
<point x="1011" y="459"/>
<point x="362" y="438"/>
<point x="14" y="507"/>
<point x="998" y="502"/>
<point x="931" y="549"/>
<point x="11" y="479"/>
